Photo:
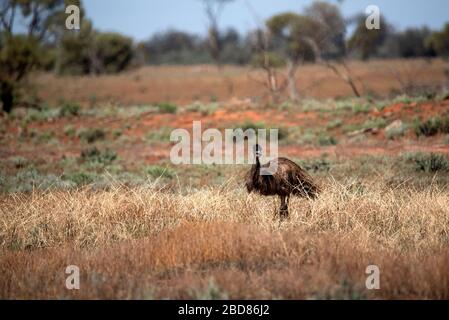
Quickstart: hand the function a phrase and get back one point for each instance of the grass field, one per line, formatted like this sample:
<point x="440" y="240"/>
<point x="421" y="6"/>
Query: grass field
<point x="86" y="180"/>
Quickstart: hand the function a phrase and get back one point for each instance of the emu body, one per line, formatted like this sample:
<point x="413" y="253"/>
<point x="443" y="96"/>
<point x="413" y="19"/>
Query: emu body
<point x="289" y="179"/>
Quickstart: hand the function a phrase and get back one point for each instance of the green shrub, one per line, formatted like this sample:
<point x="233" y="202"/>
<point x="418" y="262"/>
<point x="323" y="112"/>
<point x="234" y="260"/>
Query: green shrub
<point x="91" y="135"/>
<point x="94" y="155"/>
<point x="316" y="165"/>
<point x="337" y="123"/>
<point x="159" y="172"/>
<point x="251" y="125"/>
<point x="70" y="131"/>
<point x="46" y="136"/>
<point x="203" y="108"/>
<point x="376" y="123"/>
<point x="70" y="109"/>
<point x="431" y="126"/>
<point x="429" y="163"/>
<point x="403" y="98"/>
<point x="19" y="162"/>
<point x="166" y="107"/>
<point x="30" y="178"/>
<point x="306" y="137"/>
<point x="80" y="178"/>
<point x="326" y="140"/>
<point x="117" y="133"/>
<point x="283" y="133"/>
<point x="45" y="114"/>
<point x="159" y="135"/>
<point x="427" y="128"/>
<point x="361" y="108"/>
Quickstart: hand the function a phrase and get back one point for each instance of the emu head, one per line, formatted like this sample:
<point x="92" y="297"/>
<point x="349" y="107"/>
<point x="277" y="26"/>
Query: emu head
<point x="257" y="150"/>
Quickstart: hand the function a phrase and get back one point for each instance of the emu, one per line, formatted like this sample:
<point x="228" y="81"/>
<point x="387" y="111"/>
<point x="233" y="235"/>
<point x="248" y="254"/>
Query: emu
<point x="289" y="179"/>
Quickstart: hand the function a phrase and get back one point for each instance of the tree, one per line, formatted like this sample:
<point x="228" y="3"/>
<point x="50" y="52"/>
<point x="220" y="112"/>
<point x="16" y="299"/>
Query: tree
<point x="176" y="47"/>
<point x="298" y="38"/>
<point x="73" y="51"/>
<point x="330" y="17"/>
<point x="334" y="45"/>
<point x="412" y="43"/>
<point x="111" y="52"/>
<point x="68" y="44"/>
<point x="20" y="53"/>
<point x="213" y="9"/>
<point x="264" y="58"/>
<point x="234" y="50"/>
<point x="365" y="41"/>
<point x="439" y="41"/>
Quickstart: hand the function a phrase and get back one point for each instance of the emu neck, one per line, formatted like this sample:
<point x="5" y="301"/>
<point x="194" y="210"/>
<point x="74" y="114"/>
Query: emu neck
<point x="257" y="162"/>
<point x="256" y="169"/>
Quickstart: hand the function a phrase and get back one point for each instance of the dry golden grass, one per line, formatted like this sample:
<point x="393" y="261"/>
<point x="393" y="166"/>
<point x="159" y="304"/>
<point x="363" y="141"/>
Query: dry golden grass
<point x="221" y="243"/>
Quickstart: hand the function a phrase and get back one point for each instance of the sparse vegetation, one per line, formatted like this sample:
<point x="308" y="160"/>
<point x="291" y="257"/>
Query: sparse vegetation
<point x="70" y="109"/>
<point x="161" y="134"/>
<point x="94" y="155"/>
<point x="428" y="163"/>
<point x="326" y="140"/>
<point x="431" y="126"/>
<point x="204" y="109"/>
<point x="46" y="136"/>
<point x="80" y="178"/>
<point x="91" y="135"/>
<point x="337" y="123"/>
<point x="361" y="108"/>
<point x="396" y="132"/>
<point x="70" y="131"/>
<point x="159" y="172"/>
<point x="166" y="107"/>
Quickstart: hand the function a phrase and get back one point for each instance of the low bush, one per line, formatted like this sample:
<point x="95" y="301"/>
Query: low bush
<point x="94" y="155"/>
<point x="91" y="135"/>
<point x="70" y="109"/>
<point x="431" y="127"/>
<point x="166" y="107"/>
<point x="428" y="162"/>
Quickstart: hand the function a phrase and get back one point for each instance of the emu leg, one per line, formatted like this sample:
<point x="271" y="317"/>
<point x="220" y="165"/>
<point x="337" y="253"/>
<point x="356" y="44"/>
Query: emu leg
<point x="283" y="212"/>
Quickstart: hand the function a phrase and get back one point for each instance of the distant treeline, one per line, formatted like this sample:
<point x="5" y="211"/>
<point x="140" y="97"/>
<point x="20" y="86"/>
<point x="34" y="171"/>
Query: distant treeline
<point x="95" y="52"/>
<point x="318" y="34"/>
<point x="89" y="51"/>
<point x="178" y="47"/>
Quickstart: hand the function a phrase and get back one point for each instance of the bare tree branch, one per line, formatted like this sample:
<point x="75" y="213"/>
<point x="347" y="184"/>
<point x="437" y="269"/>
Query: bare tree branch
<point x="7" y="15"/>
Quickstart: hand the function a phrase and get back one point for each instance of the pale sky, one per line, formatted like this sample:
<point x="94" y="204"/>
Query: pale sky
<point x="142" y="18"/>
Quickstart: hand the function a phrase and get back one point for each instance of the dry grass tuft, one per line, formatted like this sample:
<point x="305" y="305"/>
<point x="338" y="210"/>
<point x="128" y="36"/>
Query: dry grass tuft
<point x="221" y="243"/>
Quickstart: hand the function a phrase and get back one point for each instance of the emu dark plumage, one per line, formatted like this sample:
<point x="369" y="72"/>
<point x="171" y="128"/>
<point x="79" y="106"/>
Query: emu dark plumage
<point x="289" y="179"/>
